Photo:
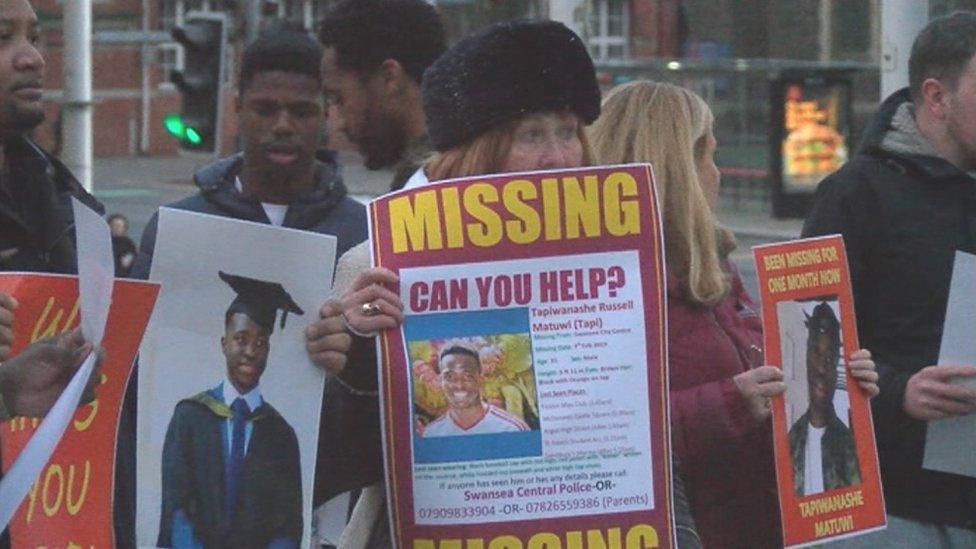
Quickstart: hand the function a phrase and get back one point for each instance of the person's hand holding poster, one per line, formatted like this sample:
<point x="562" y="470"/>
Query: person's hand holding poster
<point x="525" y="397"/>
<point x="826" y="461"/>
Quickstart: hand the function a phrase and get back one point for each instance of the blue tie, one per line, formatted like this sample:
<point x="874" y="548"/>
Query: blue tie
<point x="233" y="477"/>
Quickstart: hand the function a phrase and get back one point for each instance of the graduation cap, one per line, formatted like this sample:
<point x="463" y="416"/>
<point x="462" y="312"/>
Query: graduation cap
<point x="260" y="300"/>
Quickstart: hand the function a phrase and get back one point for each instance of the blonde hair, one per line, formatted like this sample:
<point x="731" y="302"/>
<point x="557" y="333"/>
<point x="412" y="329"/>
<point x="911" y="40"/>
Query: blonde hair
<point x="668" y="126"/>
<point x="485" y="154"/>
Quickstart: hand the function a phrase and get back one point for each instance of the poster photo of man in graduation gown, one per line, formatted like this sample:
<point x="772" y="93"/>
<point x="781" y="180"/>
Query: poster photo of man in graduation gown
<point x="231" y="468"/>
<point x="229" y="400"/>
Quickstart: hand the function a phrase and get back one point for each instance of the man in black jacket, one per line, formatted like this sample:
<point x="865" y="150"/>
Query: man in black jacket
<point x="36" y="220"/>
<point x="281" y="178"/>
<point x="905" y="204"/>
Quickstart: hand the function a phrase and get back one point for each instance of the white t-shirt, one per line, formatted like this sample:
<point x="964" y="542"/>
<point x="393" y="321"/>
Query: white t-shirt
<point x="813" y="461"/>
<point x="495" y="420"/>
<point x="275" y="212"/>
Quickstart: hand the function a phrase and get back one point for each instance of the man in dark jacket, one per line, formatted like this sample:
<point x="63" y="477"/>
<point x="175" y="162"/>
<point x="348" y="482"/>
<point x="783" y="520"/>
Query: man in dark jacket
<point x="376" y="52"/>
<point x="905" y="204"/>
<point x="36" y="220"/>
<point x="281" y="178"/>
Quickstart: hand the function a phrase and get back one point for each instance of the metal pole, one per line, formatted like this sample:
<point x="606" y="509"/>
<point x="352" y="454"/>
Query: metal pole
<point x="146" y="50"/>
<point x="252" y="20"/>
<point x="77" y="108"/>
<point x="901" y="21"/>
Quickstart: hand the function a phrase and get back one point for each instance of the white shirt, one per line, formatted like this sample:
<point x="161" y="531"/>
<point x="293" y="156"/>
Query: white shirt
<point x="495" y="420"/>
<point x="418" y="179"/>
<point x="253" y="400"/>
<point x="813" y="461"/>
<point x="275" y="212"/>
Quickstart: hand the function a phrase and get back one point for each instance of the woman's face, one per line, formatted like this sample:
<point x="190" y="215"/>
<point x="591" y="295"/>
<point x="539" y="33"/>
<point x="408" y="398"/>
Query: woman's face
<point x="708" y="174"/>
<point x="545" y="141"/>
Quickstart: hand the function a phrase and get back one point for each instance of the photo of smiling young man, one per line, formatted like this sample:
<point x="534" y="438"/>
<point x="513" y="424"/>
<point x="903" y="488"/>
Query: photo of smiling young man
<point x="468" y="413"/>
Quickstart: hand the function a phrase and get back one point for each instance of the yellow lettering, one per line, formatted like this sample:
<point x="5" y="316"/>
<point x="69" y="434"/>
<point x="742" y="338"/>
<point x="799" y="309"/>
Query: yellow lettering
<point x="545" y="541"/>
<point x="505" y="542"/>
<point x="622" y="216"/>
<point x="551" y="210"/>
<point x="415" y="226"/>
<point x="84" y="424"/>
<point x="31" y="502"/>
<point x="52" y="471"/>
<point x="489" y="231"/>
<point x="452" y="218"/>
<point x="71" y="504"/>
<point x="582" y="206"/>
<point x="642" y="536"/>
<point x="526" y="227"/>
<point x="595" y="539"/>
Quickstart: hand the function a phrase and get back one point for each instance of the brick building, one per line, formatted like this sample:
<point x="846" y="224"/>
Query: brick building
<point x="132" y="54"/>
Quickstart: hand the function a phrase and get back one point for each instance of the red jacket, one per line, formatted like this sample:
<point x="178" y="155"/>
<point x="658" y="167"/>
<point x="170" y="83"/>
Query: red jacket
<point x="726" y="458"/>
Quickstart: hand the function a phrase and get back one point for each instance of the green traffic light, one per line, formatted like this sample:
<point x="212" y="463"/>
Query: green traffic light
<point x="174" y="125"/>
<point x="193" y="137"/>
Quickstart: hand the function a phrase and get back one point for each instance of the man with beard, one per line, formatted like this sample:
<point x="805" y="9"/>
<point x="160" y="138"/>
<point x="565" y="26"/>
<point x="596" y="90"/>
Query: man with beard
<point x="36" y="219"/>
<point x="468" y="413"/>
<point x="821" y="446"/>
<point x="36" y="222"/>
<point x="231" y="469"/>
<point x="376" y="52"/>
<point x="281" y="178"/>
<point x="905" y="203"/>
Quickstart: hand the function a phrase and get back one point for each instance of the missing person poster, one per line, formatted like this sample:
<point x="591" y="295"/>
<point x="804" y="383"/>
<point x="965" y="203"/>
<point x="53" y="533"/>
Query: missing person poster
<point x="826" y="461"/>
<point x="229" y="400"/>
<point x="70" y="504"/>
<point x="525" y="397"/>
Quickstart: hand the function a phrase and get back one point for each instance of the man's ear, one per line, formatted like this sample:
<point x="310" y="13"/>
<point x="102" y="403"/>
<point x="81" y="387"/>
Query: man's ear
<point x="935" y="95"/>
<point x="392" y="74"/>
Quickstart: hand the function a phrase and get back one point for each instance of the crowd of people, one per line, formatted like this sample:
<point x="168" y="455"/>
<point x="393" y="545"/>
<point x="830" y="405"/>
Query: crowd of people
<point x="520" y="96"/>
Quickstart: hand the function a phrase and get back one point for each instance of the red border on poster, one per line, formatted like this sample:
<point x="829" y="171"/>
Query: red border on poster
<point x="805" y="270"/>
<point x="70" y="505"/>
<point x="572" y="212"/>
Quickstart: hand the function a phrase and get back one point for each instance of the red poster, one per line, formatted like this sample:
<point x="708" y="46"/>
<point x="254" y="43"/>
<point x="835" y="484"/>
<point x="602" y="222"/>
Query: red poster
<point x="826" y="460"/>
<point x="526" y="402"/>
<point x="70" y="505"/>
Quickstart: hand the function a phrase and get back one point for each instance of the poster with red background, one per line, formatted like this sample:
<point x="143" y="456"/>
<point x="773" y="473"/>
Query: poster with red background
<point x="809" y="331"/>
<point x="70" y="504"/>
<point x="525" y="399"/>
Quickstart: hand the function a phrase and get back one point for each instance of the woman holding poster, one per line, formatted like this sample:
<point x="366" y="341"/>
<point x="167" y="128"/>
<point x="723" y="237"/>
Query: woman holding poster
<point x="720" y="389"/>
<point x="480" y="123"/>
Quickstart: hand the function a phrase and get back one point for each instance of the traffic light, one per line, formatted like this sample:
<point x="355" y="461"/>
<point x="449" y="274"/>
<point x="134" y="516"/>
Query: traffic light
<point x="203" y="37"/>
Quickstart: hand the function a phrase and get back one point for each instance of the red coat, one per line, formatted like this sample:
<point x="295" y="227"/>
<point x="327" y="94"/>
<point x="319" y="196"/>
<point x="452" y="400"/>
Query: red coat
<point x="726" y="457"/>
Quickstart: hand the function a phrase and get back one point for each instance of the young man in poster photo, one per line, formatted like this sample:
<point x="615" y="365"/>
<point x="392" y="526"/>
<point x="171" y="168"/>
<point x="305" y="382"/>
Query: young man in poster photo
<point x="468" y="413"/>
<point x="821" y="446"/>
<point x="231" y="467"/>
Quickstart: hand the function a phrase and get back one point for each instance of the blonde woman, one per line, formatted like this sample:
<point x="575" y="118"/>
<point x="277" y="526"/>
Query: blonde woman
<point x="492" y="108"/>
<point x="720" y="391"/>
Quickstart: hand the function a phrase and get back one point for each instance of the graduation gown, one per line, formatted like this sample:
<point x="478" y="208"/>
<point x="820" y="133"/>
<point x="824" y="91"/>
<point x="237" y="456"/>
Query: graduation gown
<point x="269" y="506"/>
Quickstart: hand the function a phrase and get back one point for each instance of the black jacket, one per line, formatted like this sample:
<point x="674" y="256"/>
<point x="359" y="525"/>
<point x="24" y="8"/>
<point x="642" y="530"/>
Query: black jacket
<point x="44" y="239"/>
<point x="43" y="231"/>
<point x="903" y="216"/>
<point x="325" y="210"/>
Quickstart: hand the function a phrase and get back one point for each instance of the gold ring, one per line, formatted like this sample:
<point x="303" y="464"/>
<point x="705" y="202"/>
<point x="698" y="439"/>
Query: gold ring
<point x="370" y="309"/>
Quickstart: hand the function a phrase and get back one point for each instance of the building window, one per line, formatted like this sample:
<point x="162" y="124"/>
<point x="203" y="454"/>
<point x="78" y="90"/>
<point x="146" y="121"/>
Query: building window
<point x="609" y="29"/>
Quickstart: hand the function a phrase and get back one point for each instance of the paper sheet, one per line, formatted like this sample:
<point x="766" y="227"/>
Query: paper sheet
<point x="96" y="271"/>
<point x="951" y="443"/>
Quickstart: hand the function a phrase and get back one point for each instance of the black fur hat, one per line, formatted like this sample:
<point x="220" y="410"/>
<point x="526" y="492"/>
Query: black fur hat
<point x="504" y="71"/>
